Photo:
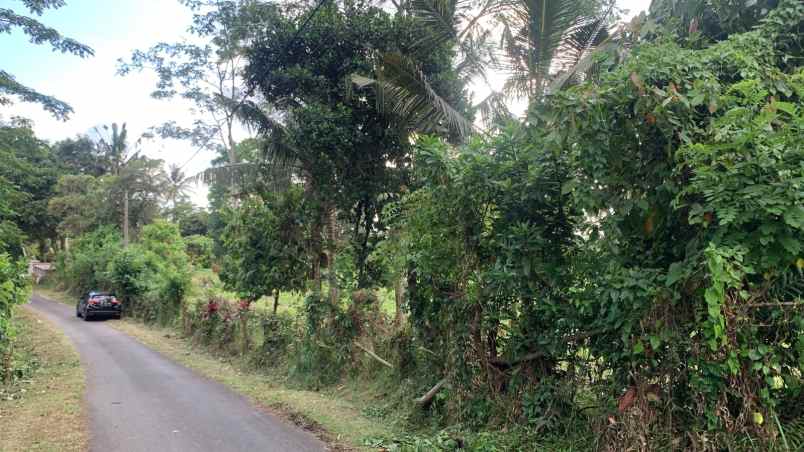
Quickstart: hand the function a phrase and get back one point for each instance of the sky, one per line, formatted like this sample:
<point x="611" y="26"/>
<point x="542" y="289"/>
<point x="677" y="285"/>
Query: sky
<point x="113" y="28"/>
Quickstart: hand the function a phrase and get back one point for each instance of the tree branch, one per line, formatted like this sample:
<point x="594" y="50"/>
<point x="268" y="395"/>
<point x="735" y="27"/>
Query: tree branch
<point x="428" y="396"/>
<point x="374" y="355"/>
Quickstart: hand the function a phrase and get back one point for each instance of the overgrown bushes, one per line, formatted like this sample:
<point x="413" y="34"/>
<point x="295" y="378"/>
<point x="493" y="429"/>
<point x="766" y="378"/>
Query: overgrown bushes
<point x="14" y="287"/>
<point x="626" y="266"/>
<point x="635" y="249"/>
<point x="151" y="276"/>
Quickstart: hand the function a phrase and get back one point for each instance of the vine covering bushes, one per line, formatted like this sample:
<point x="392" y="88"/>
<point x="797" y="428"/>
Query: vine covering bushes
<point x="638" y="246"/>
<point x="623" y="269"/>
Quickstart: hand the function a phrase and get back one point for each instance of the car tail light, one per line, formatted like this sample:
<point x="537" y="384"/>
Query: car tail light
<point x="115" y="300"/>
<point x="93" y="301"/>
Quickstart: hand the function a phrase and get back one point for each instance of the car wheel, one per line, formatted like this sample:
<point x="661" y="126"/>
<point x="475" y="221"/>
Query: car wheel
<point x="118" y="316"/>
<point x="77" y="312"/>
<point x="86" y="316"/>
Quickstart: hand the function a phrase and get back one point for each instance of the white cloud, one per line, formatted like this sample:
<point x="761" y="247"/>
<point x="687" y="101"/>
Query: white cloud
<point x="99" y="96"/>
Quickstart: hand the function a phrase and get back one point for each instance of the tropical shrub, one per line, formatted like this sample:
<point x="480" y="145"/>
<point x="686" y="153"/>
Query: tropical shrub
<point x="84" y="267"/>
<point x="14" y="289"/>
<point x="638" y="243"/>
<point x="151" y="276"/>
<point x="200" y="249"/>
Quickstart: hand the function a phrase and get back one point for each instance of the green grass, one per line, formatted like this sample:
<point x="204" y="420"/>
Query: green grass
<point x="206" y="279"/>
<point x="51" y="292"/>
<point x="337" y="421"/>
<point x="42" y="410"/>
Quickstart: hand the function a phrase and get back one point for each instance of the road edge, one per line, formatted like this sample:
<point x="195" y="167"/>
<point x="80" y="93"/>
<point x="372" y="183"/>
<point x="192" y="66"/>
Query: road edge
<point x="270" y="398"/>
<point x="56" y="391"/>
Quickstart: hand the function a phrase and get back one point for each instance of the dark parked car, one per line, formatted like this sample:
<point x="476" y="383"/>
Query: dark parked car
<point x="95" y="304"/>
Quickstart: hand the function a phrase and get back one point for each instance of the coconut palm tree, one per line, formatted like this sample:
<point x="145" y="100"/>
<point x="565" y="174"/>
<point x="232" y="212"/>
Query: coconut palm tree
<point x="113" y="141"/>
<point x="543" y="43"/>
<point x="542" y="38"/>
<point x="138" y="178"/>
<point x="177" y="187"/>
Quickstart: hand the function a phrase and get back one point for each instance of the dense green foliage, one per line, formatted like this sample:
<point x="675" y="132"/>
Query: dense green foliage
<point x="28" y="172"/>
<point x="13" y="291"/>
<point x="264" y="246"/>
<point x="621" y="270"/>
<point x="642" y="235"/>
<point x="151" y="276"/>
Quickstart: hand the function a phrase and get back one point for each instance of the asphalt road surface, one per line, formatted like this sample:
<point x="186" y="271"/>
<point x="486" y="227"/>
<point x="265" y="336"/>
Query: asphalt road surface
<point x="138" y="400"/>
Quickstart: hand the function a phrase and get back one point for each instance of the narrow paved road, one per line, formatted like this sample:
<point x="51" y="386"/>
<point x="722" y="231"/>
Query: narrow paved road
<point x="138" y="400"/>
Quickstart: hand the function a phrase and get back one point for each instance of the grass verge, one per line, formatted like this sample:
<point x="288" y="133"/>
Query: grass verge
<point x="336" y="421"/>
<point x="51" y="293"/>
<point x="42" y="408"/>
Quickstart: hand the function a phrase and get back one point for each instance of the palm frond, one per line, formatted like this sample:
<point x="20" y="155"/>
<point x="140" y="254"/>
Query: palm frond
<point x="277" y="148"/>
<point x="402" y="90"/>
<point x="438" y="15"/>
<point x="535" y="34"/>
<point x="494" y="110"/>
<point x="245" y="174"/>
<point x="463" y="24"/>
<point x="582" y="67"/>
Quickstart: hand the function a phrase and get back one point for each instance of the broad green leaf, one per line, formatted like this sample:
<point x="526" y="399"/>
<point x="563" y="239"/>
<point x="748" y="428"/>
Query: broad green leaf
<point x="795" y="217"/>
<point x="674" y="273"/>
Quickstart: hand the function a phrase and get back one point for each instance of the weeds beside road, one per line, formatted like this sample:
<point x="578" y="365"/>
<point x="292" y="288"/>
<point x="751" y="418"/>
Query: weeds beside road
<point x="335" y="420"/>
<point x="42" y="408"/>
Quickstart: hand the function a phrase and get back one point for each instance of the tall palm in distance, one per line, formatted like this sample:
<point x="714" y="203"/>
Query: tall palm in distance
<point x="137" y="179"/>
<point x="177" y="188"/>
<point x="113" y="141"/>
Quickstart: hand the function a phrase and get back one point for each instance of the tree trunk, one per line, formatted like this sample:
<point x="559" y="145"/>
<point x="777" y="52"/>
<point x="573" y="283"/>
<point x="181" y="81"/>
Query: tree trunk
<point x="231" y="148"/>
<point x="315" y="255"/>
<point x="244" y="328"/>
<point x="276" y="301"/>
<point x="7" y="364"/>
<point x="428" y="396"/>
<point x="332" y="245"/>
<point x="476" y="331"/>
<point x="125" y="218"/>
<point x="399" y="299"/>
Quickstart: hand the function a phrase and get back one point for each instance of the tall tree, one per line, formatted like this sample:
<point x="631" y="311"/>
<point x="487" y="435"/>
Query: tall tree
<point x="116" y="150"/>
<point x="177" y="185"/>
<point x="347" y="150"/>
<point x="28" y="166"/>
<point x="39" y="34"/>
<point x="77" y="203"/>
<point x="208" y="75"/>
<point x="136" y="182"/>
<point x="265" y="246"/>
<point x="81" y="155"/>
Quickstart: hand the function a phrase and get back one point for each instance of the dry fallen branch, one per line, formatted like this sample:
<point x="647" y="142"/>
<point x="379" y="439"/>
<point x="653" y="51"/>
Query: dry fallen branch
<point x="428" y="396"/>
<point x="374" y="355"/>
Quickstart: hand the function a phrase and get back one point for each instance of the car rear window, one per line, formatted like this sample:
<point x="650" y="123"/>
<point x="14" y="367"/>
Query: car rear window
<point x="101" y="297"/>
